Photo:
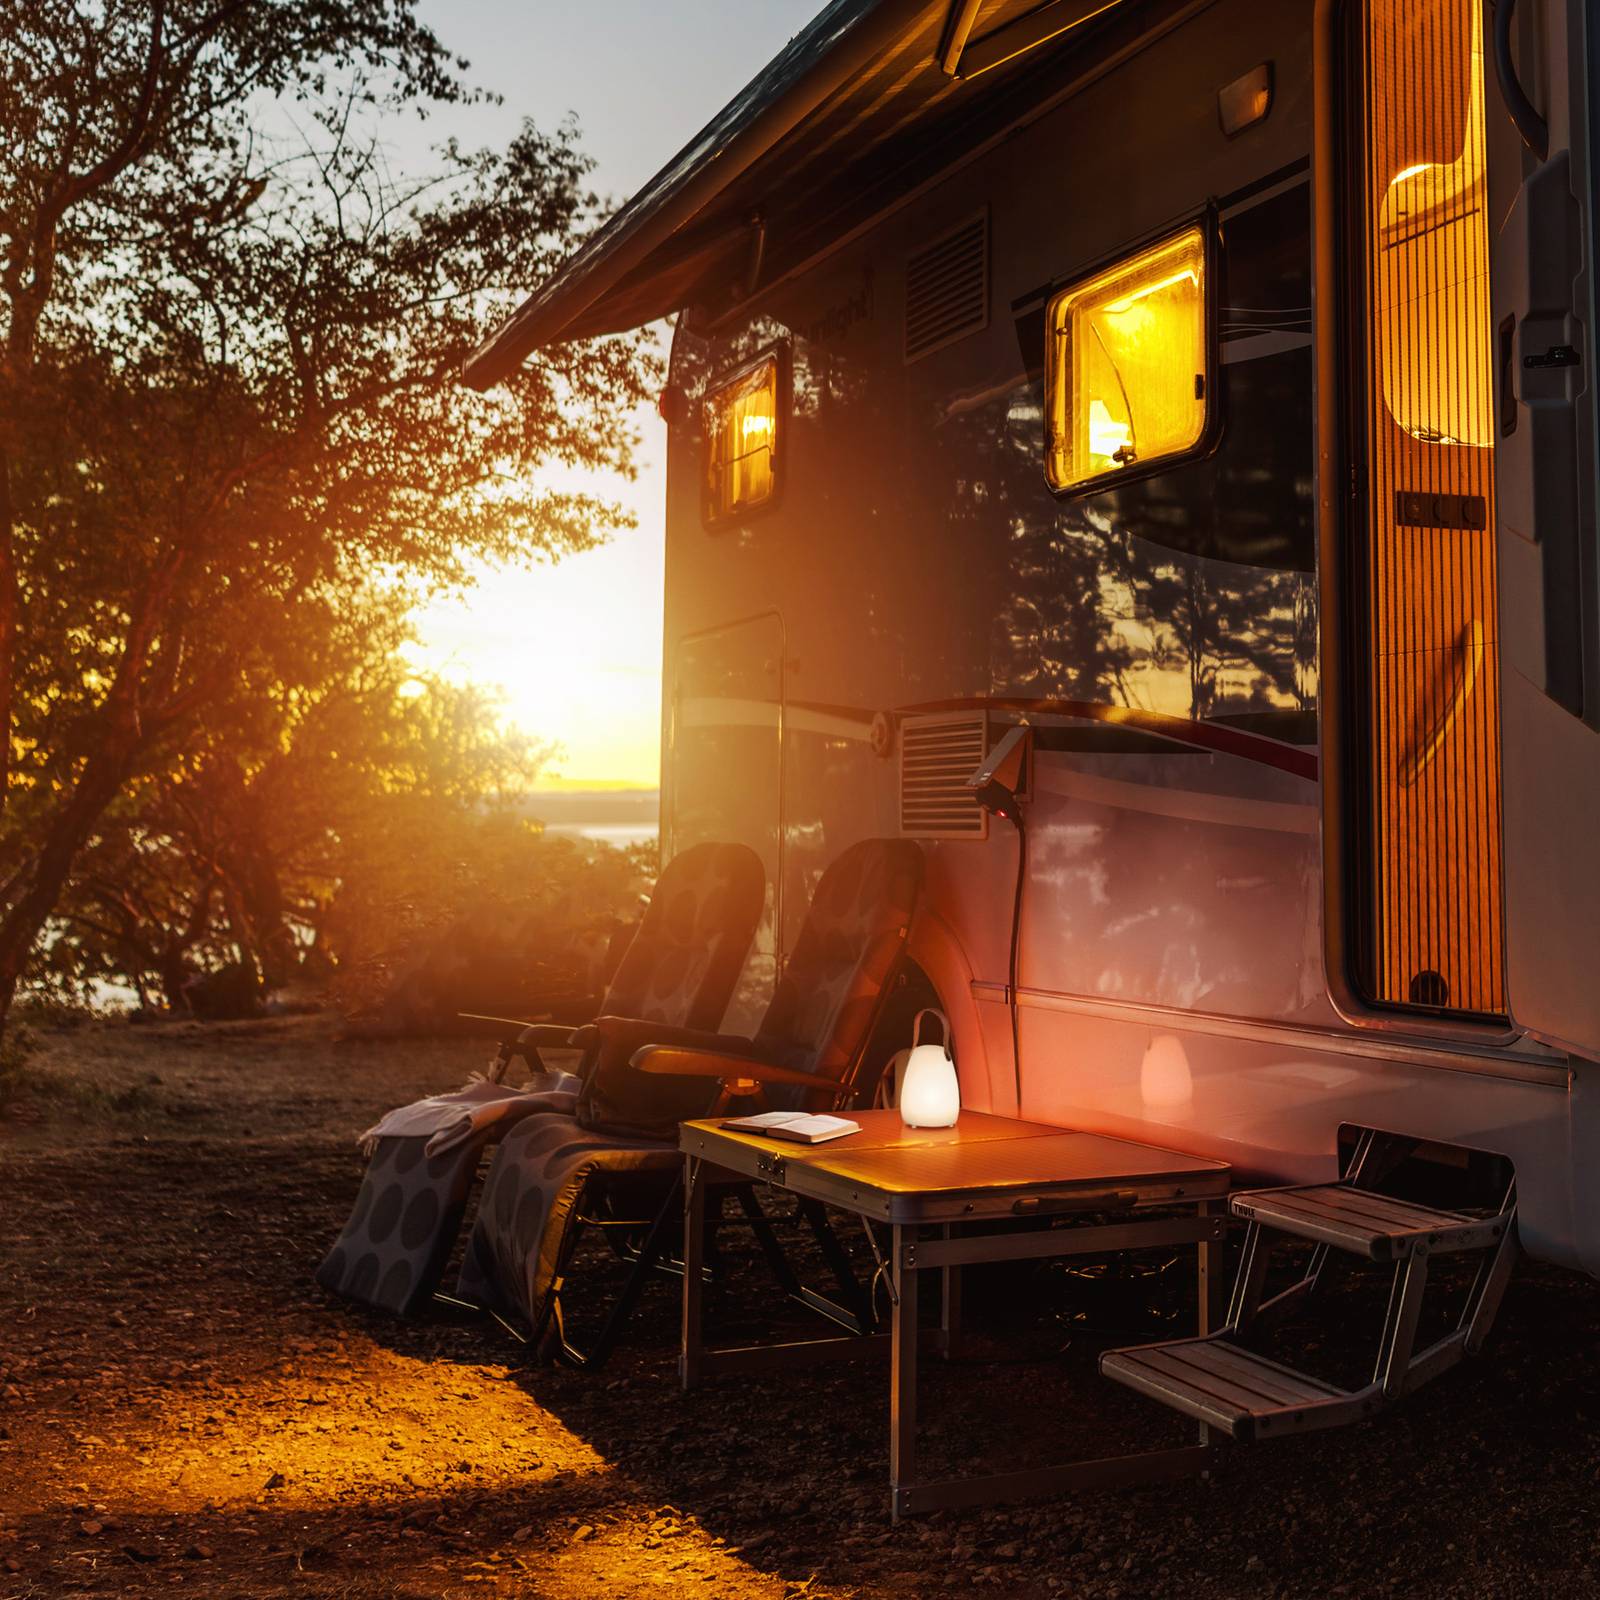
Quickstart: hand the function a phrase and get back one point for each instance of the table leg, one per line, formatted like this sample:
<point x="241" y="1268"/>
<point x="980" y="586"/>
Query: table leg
<point x="903" y="1367"/>
<point x="1213" y="1291"/>
<point x="694" y="1246"/>
<point x="950" y="1308"/>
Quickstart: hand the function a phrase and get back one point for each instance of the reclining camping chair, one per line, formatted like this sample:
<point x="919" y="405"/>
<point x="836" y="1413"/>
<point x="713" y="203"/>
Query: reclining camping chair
<point x="558" y="1173"/>
<point x="679" y="971"/>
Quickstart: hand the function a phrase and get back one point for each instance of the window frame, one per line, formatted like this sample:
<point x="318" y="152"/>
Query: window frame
<point x="1206" y="223"/>
<point x="778" y="353"/>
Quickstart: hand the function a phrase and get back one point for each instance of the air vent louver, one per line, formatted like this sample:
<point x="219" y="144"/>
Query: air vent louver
<point x="947" y="288"/>
<point x="937" y="756"/>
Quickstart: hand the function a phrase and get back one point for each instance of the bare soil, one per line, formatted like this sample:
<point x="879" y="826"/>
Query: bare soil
<point x="182" y="1408"/>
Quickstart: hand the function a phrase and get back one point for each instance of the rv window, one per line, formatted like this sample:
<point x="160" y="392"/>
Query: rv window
<point x="742" y="441"/>
<point x="1126" y="379"/>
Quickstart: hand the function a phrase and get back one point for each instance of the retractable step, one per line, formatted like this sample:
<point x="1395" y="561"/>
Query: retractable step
<point x="1247" y="1396"/>
<point x="1235" y="1391"/>
<point x="1366" y="1224"/>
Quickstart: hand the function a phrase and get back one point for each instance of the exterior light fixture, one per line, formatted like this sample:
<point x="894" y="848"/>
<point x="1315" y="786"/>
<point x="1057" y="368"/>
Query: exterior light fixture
<point x="1003" y="777"/>
<point x="1246" y="101"/>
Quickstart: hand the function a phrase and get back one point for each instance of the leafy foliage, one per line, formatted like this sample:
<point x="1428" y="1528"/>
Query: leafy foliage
<point x="359" y="818"/>
<point x="232" y="443"/>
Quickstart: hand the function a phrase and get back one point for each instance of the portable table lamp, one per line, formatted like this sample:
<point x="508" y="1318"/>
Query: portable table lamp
<point x="930" y="1094"/>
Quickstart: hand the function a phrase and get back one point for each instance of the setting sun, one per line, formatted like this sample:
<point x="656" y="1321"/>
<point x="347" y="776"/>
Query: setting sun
<point x="575" y="645"/>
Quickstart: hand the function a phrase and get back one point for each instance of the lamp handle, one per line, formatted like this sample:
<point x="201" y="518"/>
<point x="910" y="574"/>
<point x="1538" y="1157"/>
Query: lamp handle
<point x="916" y="1026"/>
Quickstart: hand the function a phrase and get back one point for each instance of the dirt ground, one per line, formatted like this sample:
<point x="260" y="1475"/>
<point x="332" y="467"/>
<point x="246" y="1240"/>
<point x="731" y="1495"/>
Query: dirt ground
<point x="182" y="1408"/>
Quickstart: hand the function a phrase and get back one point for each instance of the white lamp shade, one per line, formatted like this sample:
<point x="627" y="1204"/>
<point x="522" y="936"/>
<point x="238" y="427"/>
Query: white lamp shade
<point x="930" y="1092"/>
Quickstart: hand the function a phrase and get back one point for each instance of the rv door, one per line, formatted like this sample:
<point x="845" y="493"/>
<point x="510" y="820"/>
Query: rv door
<point x="1542" y="163"/>
<point x="722" y="771"/>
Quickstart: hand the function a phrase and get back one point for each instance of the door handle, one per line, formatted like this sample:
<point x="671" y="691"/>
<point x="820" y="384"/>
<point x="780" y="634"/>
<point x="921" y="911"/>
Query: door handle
<point x="1535" y="131"/>
<point x="1470" y="649"/>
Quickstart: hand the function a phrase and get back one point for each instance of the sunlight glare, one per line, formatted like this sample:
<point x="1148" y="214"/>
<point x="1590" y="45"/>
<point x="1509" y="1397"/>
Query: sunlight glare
<point x="576" y="644"/>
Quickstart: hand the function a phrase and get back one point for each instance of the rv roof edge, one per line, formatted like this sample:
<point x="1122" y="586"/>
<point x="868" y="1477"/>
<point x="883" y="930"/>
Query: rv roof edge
<point x="1153" y="26"/>
<point x="1028" y="32"/>
<point x="802" y="78"/>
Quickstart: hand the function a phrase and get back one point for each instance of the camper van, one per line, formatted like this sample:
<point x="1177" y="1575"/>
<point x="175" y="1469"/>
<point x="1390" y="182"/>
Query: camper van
<point x="1188" y="402"/>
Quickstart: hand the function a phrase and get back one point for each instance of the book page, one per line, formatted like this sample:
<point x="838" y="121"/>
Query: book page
<point x="821" y="1126"/>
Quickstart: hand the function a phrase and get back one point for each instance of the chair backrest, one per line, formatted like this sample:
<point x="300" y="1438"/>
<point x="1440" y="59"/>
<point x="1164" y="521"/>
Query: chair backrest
<point x="836" y="980"/>
<point x="685" y="959"/>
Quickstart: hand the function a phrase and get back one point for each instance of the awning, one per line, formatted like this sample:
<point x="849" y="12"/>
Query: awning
<point x="855" y="111"/>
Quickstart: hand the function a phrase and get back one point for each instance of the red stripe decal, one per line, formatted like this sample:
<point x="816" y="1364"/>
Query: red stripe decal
<point x="1301" y="763"/>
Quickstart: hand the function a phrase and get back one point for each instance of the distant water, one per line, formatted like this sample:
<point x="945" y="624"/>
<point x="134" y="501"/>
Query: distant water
<point x="620" y="834"/>
<point x="617" y="817"/>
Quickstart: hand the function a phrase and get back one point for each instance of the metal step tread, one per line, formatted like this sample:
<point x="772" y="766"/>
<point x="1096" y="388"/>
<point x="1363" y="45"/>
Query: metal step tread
<point x="1232" y="1389"/>
<point x="1366" y="1224"/>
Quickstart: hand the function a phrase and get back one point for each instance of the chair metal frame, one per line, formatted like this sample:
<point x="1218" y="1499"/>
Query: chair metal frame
<point x="853" y="1309"/>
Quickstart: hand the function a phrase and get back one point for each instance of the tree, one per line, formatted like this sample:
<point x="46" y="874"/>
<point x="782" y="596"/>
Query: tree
<point x="228" y="402"/>
<point x="359" y="811"/>
<point x="111" y="104"/>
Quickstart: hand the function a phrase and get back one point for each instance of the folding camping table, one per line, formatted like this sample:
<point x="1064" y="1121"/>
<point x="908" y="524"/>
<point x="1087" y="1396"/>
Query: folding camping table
<point x="942" y="1194"/>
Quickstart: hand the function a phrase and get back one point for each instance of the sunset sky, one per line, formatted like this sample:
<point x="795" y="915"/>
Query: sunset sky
<point x="577" y="647"/>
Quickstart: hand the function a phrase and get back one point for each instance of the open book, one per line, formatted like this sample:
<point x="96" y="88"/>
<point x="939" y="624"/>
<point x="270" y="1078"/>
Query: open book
<point x="800" y="1126"/>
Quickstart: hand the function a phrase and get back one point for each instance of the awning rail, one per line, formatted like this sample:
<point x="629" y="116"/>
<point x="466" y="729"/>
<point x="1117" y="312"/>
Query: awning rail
<point x="814" y="66"/>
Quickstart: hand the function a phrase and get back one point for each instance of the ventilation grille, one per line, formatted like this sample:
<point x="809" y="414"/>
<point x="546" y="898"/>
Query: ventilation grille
<point x="947" y="288"/>
<point x="937" y="756"/>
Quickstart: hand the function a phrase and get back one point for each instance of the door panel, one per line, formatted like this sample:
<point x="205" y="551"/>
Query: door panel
<point x="1441" y="927"/>
<point x="1427" y="591"/>
<point x="1545" y="463"/>
<point x="724" y="769"/>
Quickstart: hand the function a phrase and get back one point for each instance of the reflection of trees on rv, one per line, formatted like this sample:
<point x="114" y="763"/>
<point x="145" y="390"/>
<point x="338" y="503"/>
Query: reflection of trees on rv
<point x="1190" y="591"/>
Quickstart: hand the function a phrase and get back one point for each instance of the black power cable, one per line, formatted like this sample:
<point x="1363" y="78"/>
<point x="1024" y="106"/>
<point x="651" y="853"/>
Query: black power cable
<point x="1014" y="814"/>
<point x="999" y="799"/>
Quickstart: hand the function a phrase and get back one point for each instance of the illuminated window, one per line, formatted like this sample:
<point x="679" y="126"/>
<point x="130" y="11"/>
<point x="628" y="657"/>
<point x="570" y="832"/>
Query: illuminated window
<point x="742" y="441"/>
<point x="1126" y="380"/>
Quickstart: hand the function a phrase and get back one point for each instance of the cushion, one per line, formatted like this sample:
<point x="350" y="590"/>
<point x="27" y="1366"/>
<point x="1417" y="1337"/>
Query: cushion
<point x="524" y="1228"/>
<point x="690" y="948"/>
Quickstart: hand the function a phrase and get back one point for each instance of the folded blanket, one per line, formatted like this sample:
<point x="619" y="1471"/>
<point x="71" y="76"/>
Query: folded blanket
<point x="393" y="1250"/>
<point x="457" y="1117"/>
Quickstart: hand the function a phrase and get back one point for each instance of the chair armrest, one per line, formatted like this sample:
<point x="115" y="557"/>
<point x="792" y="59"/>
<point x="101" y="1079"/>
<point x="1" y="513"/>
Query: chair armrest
<point x="551" y="1035"/>
<point x="514" y="1030"/>
<point x="519" y="1037"/>
<point x="680" y="1062"/>
<point x="622" y="1037"/>
<point x="505" y="1022"/>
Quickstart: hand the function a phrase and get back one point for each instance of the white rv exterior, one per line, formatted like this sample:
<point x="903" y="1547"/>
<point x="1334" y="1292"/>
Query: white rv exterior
<point x="1307" y="850"/>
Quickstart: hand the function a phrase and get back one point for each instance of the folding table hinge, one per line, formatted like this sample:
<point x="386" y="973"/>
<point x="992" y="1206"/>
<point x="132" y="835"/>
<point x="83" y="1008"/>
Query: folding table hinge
<point x="771" y="1167"/>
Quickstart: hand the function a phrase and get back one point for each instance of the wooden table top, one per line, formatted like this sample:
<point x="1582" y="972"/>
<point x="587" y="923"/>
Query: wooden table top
<point x="983" y="1166"/>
